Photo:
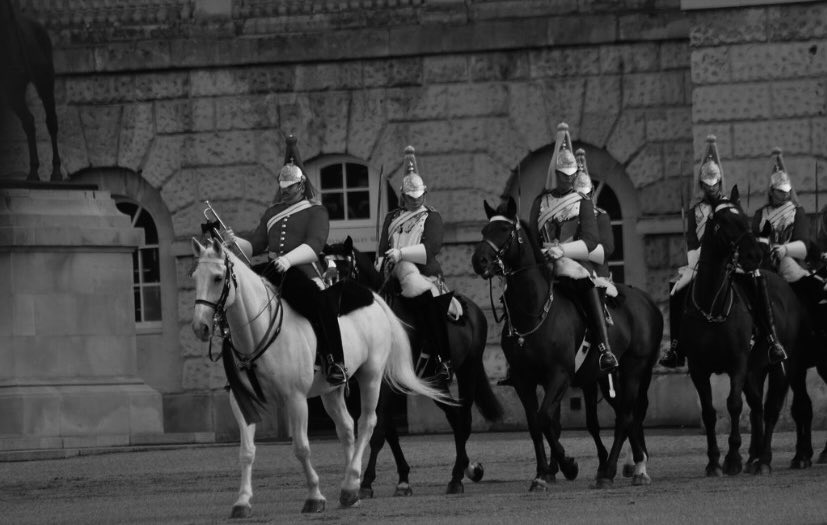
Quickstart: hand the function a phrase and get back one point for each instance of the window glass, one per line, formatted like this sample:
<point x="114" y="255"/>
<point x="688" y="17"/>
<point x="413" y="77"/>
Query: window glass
<point x="357" y="175"/>
<point x="334" y="202"/>
<point x="146" y="264"/>
<point x="152" y="303"/>
<point x="331" y="177"/>
<point x="358" y="205"/>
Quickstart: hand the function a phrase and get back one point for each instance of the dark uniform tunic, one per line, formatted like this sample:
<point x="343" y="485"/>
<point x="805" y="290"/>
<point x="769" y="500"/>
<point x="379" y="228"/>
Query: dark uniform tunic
<point x="432" y="235"/>
<point x="788" y="223"/>
<point x="308" y="226"/>
<point x="573" y="219"/>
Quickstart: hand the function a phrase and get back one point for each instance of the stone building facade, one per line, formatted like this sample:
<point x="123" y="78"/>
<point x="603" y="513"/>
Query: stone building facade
<point x="167" y="103"/>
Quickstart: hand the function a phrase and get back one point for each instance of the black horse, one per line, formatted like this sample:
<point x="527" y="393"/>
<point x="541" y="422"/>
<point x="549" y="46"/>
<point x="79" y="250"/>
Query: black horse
<point x="716" y="333"/>
<point x="542" y="342"/>
<point x="467" y="339"/>
<point x="26" y="57"/>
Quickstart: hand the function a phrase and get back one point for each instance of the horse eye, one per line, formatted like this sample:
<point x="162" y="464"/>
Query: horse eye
<point x="218" y="278"/>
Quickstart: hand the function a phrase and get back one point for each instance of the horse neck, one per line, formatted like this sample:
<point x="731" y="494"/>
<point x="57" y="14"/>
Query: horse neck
<point x="249" y="315"/>
<point x="710" y="278"/>
<point x="528" y="285"/>
<point x="367" y="273"/>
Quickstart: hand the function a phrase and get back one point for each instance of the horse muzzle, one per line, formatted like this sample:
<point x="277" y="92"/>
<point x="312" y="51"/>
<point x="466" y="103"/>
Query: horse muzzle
<point x="201" y="329"/>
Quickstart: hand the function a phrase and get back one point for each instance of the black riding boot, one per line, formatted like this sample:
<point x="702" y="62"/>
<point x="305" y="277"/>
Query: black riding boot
<point x="331" y="344"/>
<point x="594" y="309"/>
<point x="435" y="312"/>
<point x="764" y="308"/>
<point x="673" y="357"/>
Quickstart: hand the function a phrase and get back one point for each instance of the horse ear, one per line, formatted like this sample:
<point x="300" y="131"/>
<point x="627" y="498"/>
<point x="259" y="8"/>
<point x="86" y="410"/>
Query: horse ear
<point x="489" y="211"/>
<point x="735" y="195"/>
<point x="349" y="243"/>
<point x="197" y="247"/>
<point x="219" y="248"/>
<point x="510" y="207"/>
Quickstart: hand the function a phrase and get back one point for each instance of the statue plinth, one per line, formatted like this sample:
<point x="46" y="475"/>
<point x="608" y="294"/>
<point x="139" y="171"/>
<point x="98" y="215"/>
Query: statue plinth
<point x="67" y="321"/>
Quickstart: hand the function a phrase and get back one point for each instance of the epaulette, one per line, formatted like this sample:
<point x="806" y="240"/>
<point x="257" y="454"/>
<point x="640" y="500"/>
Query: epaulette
<point x="430" y="208"/>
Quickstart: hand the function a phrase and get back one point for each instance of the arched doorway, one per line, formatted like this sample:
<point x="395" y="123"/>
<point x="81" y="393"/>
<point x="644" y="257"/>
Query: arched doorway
<point x="615" y="193"/>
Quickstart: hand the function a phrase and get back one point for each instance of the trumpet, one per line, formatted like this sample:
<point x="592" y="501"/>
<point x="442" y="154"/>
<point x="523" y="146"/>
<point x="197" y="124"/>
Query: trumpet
<point x="212" y="216"/>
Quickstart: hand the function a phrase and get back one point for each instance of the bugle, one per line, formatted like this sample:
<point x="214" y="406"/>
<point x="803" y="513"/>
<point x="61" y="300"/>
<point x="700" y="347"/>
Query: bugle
<point x="212" y="217"/>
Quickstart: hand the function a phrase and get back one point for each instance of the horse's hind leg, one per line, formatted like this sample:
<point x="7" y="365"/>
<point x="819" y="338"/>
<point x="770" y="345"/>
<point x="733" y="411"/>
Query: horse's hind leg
<point x="528" y="398"/>
<point x="593" y="425"/>
<point x="704" y="388"/>
<point x="370" y="381"/>
<point x="733" y="462"/>
<point x="776" y="391"/>
<point x="377" y="441"/>
<point x="45" y="86"/>
<point x="334" y="405"/>
<point x="18" y="106"/>
<point x="460" y="420"/>
<point x="548" y="413"/>
<point x="246" y="457"/>
<point x="754" y="391"/>
<point x="403" y="487"/>
<point x="296" y="407"/>
<point x="802" y="413"/>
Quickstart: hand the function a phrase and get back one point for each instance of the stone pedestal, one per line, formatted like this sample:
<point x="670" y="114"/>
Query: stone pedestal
<point x="67" y="322"/>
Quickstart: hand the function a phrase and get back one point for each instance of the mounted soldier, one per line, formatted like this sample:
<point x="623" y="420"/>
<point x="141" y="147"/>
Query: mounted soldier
<point x="293" y="231"/>
<point x="409" y="243"/>
<point x="564" y="222"/>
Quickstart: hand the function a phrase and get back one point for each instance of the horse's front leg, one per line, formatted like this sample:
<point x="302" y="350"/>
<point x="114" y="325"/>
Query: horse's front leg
<point x="776" y="392"/>
<point x="334" y="405"/>
<point x="528" y="397"/>
<point x="624" y="424"/>
<point x="246" y="457"/>
<point x="549" y="414"/>
<point x="377" y="441"/>
<point x="802" y="413"/>
<point x="593" y="426"/>
<point x="700" y="378"/>
<point x="460" y="420"/>
<point x="754" y="392"/>
<point x="370" y="381"/>
<point x="733" y="462"/>
<point x="296" y="406"/>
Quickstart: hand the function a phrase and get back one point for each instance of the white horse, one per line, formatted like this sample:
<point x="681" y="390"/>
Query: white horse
<point x="375" y="346"/>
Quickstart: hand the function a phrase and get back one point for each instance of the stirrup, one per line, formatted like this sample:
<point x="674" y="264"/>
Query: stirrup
<point x="608" y="361"/>
<point x="336" y="374"/>
<point x="507" y="380"/>
<point x="776" y="352"/>
<point x="671" y="358"/>
<point x="445" y="372"/>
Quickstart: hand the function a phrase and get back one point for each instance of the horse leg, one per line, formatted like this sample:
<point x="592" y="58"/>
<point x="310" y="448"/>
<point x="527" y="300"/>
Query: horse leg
<point x="528" y="397"/>
<point x="370" y="383"/>
<point x="822" y="371"/>
<point x="296" y="406"/>
<point x="733" y="463"/>
<point x="246" y="456"/>
<point x="377" y="441"/>
<point x="557" y="428"/>
<point x="624" y="420"/>
<point x="637" y="440"/>
<point x="776" y="391"/>
<point x="45" y="86"/>
<point x="334" y="405"/>
<point x="403" y="486"/>
<point x="701" y="381"/>
<point x="753" y="392"/>
<point x="549" y="412"/>
<point x="593" y="425"/>
<point x="18" y="106"/>
<point x="802" y="413"/>
<point x="460" y="420"/>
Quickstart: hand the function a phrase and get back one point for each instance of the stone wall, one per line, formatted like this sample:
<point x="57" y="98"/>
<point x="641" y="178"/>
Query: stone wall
<point x="195" y="96"/>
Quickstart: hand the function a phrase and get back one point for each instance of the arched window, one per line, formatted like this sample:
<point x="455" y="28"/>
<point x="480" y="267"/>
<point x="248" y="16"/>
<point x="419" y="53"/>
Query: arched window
<point x="146" y="266"/>
<point x="606" y="198"/>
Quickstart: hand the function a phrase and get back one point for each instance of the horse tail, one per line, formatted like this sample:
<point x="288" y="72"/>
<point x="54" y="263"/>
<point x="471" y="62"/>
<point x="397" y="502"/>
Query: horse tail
<point x="486" y="401"/>
<point x="399" y="371"/>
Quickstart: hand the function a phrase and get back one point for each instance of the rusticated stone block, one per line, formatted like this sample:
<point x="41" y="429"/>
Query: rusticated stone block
<point x="710" y="65"/>
<point x="798" y="98"/>
<point x="456" y="259"/>
<point x="259" y="184"/>
<point x="567" y="99"/>
<point x="727" y="26"/>
<point x="677" y="159"/>
<point x="628" y="136"/>
<point x="270" y="150"/>
<point x="596" y="126"/>
<point x="183" y="267"/>
<point x="137" y="130"/>
<point x="677" y="249"/>
<point x="186" y="300"/>
<point x="246" y="112"/>
<point x="564" y="62"/>
<point x="723" y="136"/>
<point x="502" y="142"/>
<point x="105" y="90"/>
<point x="819" y="135"/>
<point x="730" y="102"/>
<point x="196" y="374"/>
<point x="186" y="221"/>
<point x="653" y="26"/>
<point x="669" y="124"/>
<point x="656" y="199"/>
<point x="778" y="60"/>
<point x="580" y="29"/>
<point x="74" y="155"/>
<point x="603" y="94"/>
<point x="202" y="111"/>
<point x="657" y="280"/>
<point x="489" y="175"/>
<point x="216" y="82"/>
<point x="653" y="89"/>
<point x="629" y="58"/>
<point x="223" y="183"/>
<point x="221" y="148"/>
<point x="445" y="136"/>
<point x="156" y="86"/>
<point x="499" y="66"/>
<point x="475" y="289"/>
<point x="368" y="114"/>
<point x="405" y="72"/>
<point x="173" y="116"/>
<point x="180" y="191"/>
<point x="190" y="345"/>
<point x="797" y="22"/>
<point x="440" y="69"/>
<point x="752" y="177"/>
<point x="753" y="139"/>
<point x="101" y="128"/>
<point x="674" y="55"/>
<point x="164" y="159"/>
<point x="647" y="166"/>
<point x="528" y="113"/>
<point x="135" y="55"/>
<point x="656" y="248"/>
<point x="334" y="76"/>
<point x="329" y="121"/>
<point x="460" y="205"/>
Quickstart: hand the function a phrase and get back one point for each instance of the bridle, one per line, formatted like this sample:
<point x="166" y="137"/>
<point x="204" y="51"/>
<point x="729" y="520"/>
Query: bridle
<point x="514" y="234"/>
<point x="219" y="318"/>
<point x="726" y="283"/>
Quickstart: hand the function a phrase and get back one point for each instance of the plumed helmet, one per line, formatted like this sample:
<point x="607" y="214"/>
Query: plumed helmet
<point x="582" y="180"/>
<point x="293" y="170"/>
<point x="563" y="159"/>
<point x="711" y="171"/>
<point x="412" y="183"/>
<point x="780" y="179"/>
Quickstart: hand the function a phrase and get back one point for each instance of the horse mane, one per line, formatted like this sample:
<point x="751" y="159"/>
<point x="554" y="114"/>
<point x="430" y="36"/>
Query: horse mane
<point x="539" y="257"/>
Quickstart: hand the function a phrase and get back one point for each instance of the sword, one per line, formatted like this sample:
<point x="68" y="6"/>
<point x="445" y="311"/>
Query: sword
<point x="379" y="205"/>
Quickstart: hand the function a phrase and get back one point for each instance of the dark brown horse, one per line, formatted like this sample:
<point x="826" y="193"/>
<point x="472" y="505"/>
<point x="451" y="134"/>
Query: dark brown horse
<point x="542" y="343"/>
<point x="467" y="339"/>
<point x="26" y="58"/>
<point x="716" y="331"/>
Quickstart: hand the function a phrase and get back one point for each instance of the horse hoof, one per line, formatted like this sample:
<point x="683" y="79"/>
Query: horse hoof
<point x="549" y="478"/>
<point x="313" y="506"/>
<point x="801" y="463"/>
<point x="455" y="487"/>
<point x="474" y="472"/>
<point x="603" y="483"/>
<point x="764" y="470"/>
<point x="628" y="471"/>
<point x="365" y="493"/>
<point x="822" y="458"/>
<point x="348" y="498"/>
<point x="569" y="468"/>
<point x="732" y="468"/>
<point x="714" y="471"/>
<point x="640" y="480"/>
<point x="241" y="511"/>
<point x="538" y="485"/>
<point x="403" y="489"/>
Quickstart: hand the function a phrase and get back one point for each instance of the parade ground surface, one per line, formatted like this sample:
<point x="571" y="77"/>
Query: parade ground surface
<point x="198" y="485"/>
